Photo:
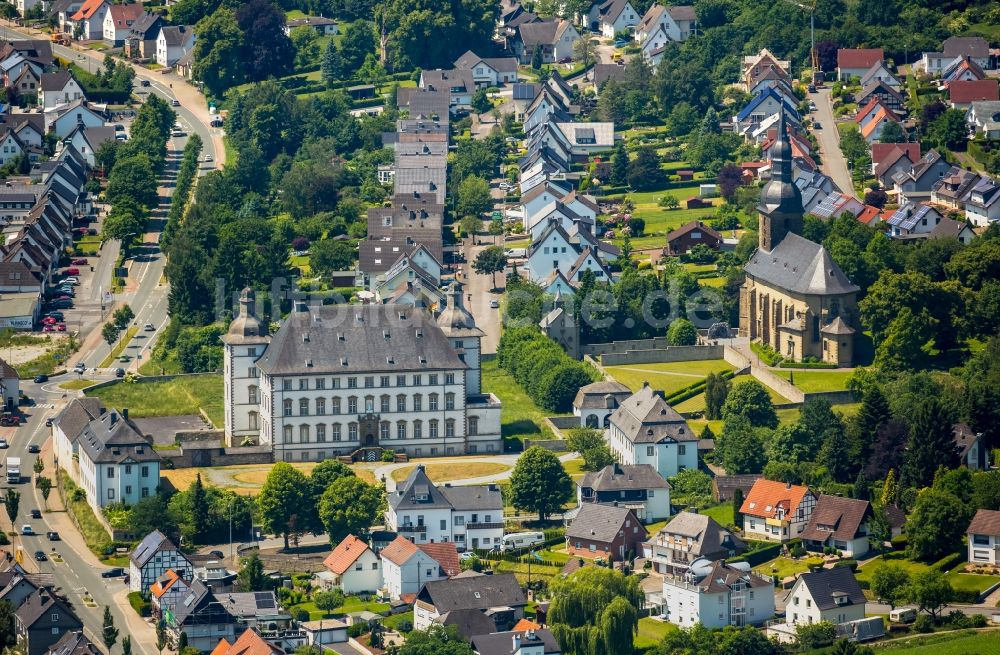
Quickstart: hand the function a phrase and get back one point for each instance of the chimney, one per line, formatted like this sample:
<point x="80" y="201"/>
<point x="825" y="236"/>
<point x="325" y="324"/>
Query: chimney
<point x="516" y="639"/>
<point x="113" y="418"/>
<point x="125" y="413"/>
<point x="788" y="485"/>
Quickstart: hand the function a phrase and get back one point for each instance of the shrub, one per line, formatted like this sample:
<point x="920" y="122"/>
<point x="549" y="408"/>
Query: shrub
<point x="301" y="615"/>
<point x="139" y="604"/>
<point x="978" y="621"/>
<point x="924" y="623"/>
<point x="406" y="625"/>
<point x="958" y="619"/>
<point x="849" y="563"/>
<point x="388" y="456"/>
<point x="797" y="550"/>
<point x="814" y="562"/>
<point x="355" y="630"/>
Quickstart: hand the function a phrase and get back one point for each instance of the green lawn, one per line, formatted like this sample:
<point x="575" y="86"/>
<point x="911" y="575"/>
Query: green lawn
<point x="668" y="376"/>
<point x="958" y="579"/>
<point x="721" y="514"/>
<point x="520" y="417"/>
<point x="351" y="604"/>
<point x="782" y="567"/>
<point x="697" y="403"/>
<point x="179" y="396"/>
<point x="811" y="381"/>
<point x="967" y="642"/>
<point x="74" y="385"/>
<point x="661" y="220"/>
<point x="94" y="534"/>
<point x="652" y="632"/>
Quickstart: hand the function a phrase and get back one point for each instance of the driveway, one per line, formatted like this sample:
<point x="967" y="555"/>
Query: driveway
<point x="834" y="163"/>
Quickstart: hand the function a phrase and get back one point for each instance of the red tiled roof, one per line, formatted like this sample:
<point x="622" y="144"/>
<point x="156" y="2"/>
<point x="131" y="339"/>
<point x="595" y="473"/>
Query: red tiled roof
<point x="444" y="554"/>
<point x="873" y="104"/>
<point x="249" y="643"/>
<point x="766" y="496"/>
<point x="524" y="625"/>
<point x="88" y="9"/>
<point x="966" y="91"/>
<point x="125" y="15"/>
<point x="859" y="57"/>
<point x="399" y="551"/>
<point x="882" y="150"/>
<point x="159" y="589"/>
<point x="882" y="114"/>
<point x="345" y="554"/>
<point x="869" y="214"/>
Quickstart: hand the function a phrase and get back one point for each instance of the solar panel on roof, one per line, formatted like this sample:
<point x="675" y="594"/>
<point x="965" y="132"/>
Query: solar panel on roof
<point x="264" y="600"/>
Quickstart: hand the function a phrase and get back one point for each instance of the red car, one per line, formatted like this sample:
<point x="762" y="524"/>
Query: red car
<point x="61" y="327"/>
<point x="71" y="271"/>
<point x="48" y="328"/>
<point x="49" y="320"/>
<point x="80" y="262"/>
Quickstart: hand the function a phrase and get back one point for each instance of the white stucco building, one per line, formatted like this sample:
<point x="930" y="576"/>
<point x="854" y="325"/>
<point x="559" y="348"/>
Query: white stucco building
<point x="117" y="463"/>
<point x="832" y="595"/>
<point x="716" y="594"/>
<point x="353" y="567"/>
<point x="984" y="537"/>
<point x="646" y="430"/>
<point x="152" y="558"/>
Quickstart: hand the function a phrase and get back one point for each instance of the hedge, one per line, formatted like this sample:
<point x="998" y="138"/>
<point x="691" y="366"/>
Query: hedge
<point x="788" y="364"/>
<point x="758" y="557"/>
<point x="692" y="390"/>
<point x="523" y="350"/>
<point x="139" y="604"/>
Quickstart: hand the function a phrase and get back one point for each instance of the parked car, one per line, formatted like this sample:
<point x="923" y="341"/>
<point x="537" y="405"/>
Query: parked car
<point x="817" y="126"/>
<point x="116" y="572"/>
<point x="566" y="60"/>
<point x="41" y="378"/>
<point x="40" y="556"/>
<point x="71" y="271"/>
<point x="80" y="367"/>
<point x="36" y="513"/>
<point x="63" y="303"/>
<point x="49" y="320"/>
<point x="79" y="262"/>
<point x="208" y="157"/>
<point x="48" y="424"/>
<point x="53" y="536"/>
<point x="48" y="328"/>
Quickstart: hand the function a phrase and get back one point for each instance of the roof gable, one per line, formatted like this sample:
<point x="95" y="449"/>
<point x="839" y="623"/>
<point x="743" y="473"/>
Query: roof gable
<point x="767" y="497"/>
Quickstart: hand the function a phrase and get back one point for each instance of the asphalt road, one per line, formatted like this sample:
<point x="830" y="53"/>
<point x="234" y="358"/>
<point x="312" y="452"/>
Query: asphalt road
<point x="828" y="137"/>
<point x="479" y="289"/>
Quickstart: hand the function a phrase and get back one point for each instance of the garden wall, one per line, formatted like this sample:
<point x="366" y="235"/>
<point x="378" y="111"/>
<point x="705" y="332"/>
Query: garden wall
<point x="211" y="454"/>
<point x="555" y="445"/>
<point x="668" y="354"/>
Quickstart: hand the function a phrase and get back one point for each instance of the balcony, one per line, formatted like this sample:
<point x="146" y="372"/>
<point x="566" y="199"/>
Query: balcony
<point x="484" y="526"/>
<point x="412" y="528"/>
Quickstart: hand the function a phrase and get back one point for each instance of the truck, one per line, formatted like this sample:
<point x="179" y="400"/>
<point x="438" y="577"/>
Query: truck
<point x="13" y="470"/>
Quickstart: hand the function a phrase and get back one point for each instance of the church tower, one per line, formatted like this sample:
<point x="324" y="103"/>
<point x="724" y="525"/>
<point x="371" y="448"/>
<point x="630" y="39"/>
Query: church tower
<point x="460" y="327"/>
<point x="244" y="344"/>
<point x="780" y="205"/>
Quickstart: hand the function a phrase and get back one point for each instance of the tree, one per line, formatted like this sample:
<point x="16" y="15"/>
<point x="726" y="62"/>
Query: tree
<point x="619" y="164"/>
<point x="123" y="316"/>
<point x="11" y="503"/>
<point x="670" y="201"/>
<point x="902" y="349"/>
<point x="328" y="255"/>
<point x="332" y="66"/>
<point x="282" y="499"/>
<point x="127" y="645"/>
<point x="435" y="640"/>
<point x="682" y="332"/>
<point x="162" y="639"/>
<point x="473" y="197"/>
<point x="251" y="576"/>
<point x="109" y="633"/>
<point x="45" y="486"/>
<point x="328" y="600"/>
<point x="355" y="46"/>
<point x="816" y="635"/>
<point x="481" y="101"/>
<point x="110" y="332"/>
<point x="729" y="179"/>
<point x="751" y="401"/>
<point x="737" y="505"/>
<point x="38" y="466"/>
<point x="892" y="132"/>
<point x="595" y="610"/>
<point x="644" y="172"/>
<point x="691" y="487"/>
<point x="584" y="50"/>
<point x="267" y="51"/>
<point x="741" y="447"/>
<point x="864" y="427"/>
<point x="133" y="177"/>
<point x="349" y="506"/>
<point x="539" y="483"/>
<point x="592" y="447"/>
<point x="216" y="53"/>
<point x="490" y="261"/>
<point x="199" y="509"/>
<point x="930" y="591"/>
<point x="306" y="44"/>
<point x="936" y="525"/>
<point x="931" y="443"/>
<point x="8" y="634"/>
<point x="834" y="454"/>
<point x="950" y="130"/>
<point x="889" y="583"/>
<point x="536" y="58"/>
<point x="716" y="391"/>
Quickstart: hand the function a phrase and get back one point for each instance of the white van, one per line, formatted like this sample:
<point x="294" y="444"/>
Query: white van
<point x="521" y="540"/>
<point x="903" y="615"/>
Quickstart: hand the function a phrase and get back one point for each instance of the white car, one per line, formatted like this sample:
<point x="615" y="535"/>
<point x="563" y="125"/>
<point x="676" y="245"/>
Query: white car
<point x="208" y="157"/>
<point x="494" y="304"/>
<point x="4" y="444"/>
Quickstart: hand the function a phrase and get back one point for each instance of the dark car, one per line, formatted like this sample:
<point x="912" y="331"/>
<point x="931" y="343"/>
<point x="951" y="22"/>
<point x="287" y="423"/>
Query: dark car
<point x="116" y="572"/>
<point x="217" y="553"/>
<point x="143" y="82"/>
<point x="80" y="262"/>
<point x="35" y="448"/>
<point x="53" y="536"/>
<point x="119" y="372"/>
<point x="812" y="88"/>
<point x="36" y="513"/>
<point x="41" y="378"/>
<point x="40" y="556"/>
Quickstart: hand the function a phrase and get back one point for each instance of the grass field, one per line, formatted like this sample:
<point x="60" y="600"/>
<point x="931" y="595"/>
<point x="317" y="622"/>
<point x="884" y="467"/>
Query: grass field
<point x="521" y="417"/>
<point x="966" y="642"/>
<point x="697" y="403"/>
<point x="243" y="479"/>
<point x="176" y="397"/>
<point x="448" y="471"/>
<point x="722" y="513"/>
<point x="94" y="534"/>
<point x="669" y="376"/>
<point x="76" y="385"/>
<point x="959" y="580"/>
<point x="812" y="381"/>
<point x="783" y="567"/>
<point x="652" y="632"/>
<point x="661" y="220"/>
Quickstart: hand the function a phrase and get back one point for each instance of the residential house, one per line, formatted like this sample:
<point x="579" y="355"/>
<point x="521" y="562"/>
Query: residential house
<point x="533" y="641"/>
<point x="764" y="105"/>
<point x="889" y="96"/>
<point x="689" y="537"/>
<point x="322" y="26"/>
<point x="459" y="83"/>
<point x="62" y="11"/>
<point x="612" y="532"/>
<point x="962" y="69"/>
<point x="870" y="216"/>
<point x="355" y="567"/>
<point x="542" y="196"/>
<point x="913" y="220"/>
<point x="169" y="590"/>
<point x="469" y="516"/>
<point x="872" y="129"/>
<point x="58" y="88"/>
<point x="984" y="118"/>
<point x="890" y="158"/>
<point x="522" y="95"/>
<point x="974" y="47"/>
<point x="569" y="252"/>
<point x="915" y="184"/>
<point x="324" y="632"/>
<point x="595" y="402"/>
<point x="832" y="595"/>
<point x="839" y="523"/>
<point x="725" y="486"/>
<point x="879" y="72"/>
<point x="63" y="119"/>
<point x="676" y="23"/>
<point x="983" y="204"/>
<point x="969" y="445"/>
<point x="118" y="464"/>
<point x="172" y="43"/>
<point x="776" y="511"/>
<point x="152" y="558"/>
<point x="717" y="594"/>
<point x="11" y="147"/>
<point x="962" y="93"/>
<point x="407" y="567"/>
<point x="557" y="212"/>
<point x="984" y="537"/>
<point x="41" y="621"/>
<point x="75" y="643"/>
<point x="588" y="138"/>
<point x="836" y="205"/>
<point x="638" y="487"/>
<point x="611" y="17"/>
<point x="855" y="62"/>
<point x="16" y="585"/>
<point x="141" y="40"/>
<point x="689" y="235"/>
<point x="499" y="597"/>
<point x="491" y="71"/>
<point x="185" y="65"/>
<point x="646" y="430"/>
<point x="88" y="141"/>
<point x="762" y="65"/>
<point x="954" y="189"/>
<point x="554" y="38"/>
<point x="204" y="618"/>
<point x="118" y="22"/>
<point x="88" y="22"/>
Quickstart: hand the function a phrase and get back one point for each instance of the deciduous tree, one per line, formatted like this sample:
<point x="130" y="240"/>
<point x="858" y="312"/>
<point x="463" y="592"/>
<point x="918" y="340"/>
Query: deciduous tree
<point x="282" y="498"/>
<point x="539" y="483"/>
<point x="889" y="583"/>
<point x="936" y="525"/>
<point x="751" y="401"/>
<point x="350" y="506"/>
<point x="592" y="447"/>
<point x="930" y="591"/>
<point x="490" y="261"/>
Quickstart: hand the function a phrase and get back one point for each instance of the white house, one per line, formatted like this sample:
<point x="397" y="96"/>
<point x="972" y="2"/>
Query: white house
<point x="554" y="38"/>
<point x="975" y="48"/>
<point x="983" y="117"/>
<point x="855" y="62"/>
<point x="470" y="516"/>
<point x="172" y="43"/>
<point x="117" y="463"/>
<point x="88" y="22"/>
<point x="63" y="120"/>
<point x="840" y="523"/>
<point x="354" y="567"/>
<point x="88" y="141"/>
<point x="832" y="595"/>
<point x="612" y="17"/>
<point x="152" y="558"/>
<point x="594" y="403"/>
<point x="498" y="599"/>
<point x="646" y="430"/>
<point x="638" y="487"/>
<point x="118" y="22"/>
<point x="983" y="205"/>
<point x="913" y="219"/>
<point x="322" y="26"/>
<point x="716" y="595"/>
<point x="879" y="72"/>
<point x="406" y="568"/>
<point x="776" y="511"/>
<point x="569" y="252"/>
<point x="678" y="22"/>
<point x="10" y="147"/>
<point x="58" y="88"/>
<point x="68" y="425"/>
<point x="560" y="213"/>
<point x="491" y="71"/>
<point x="984" y="537"/>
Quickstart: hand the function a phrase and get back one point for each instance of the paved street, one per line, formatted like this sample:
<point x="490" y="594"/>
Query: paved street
<point x="828" y="138"/>
<point x="479" y="288"/>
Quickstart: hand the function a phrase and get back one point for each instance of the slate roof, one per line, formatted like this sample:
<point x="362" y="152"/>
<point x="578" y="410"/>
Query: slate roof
<point x="606" y="72"/>
<point x="764" y="94"/>
<point x="962" y="434"/>
<point x="152" y="543"/>
<point x="7" y="371"/>
<point x="725" y="485"/>
<point x="644" y="417"/>
<point x="885" y="155"/>
<point x="721" y="577"/>
<point x="707" y="536"/>
<point x="111" y="438"/>
<point x="42" y="603"/>
<point x="601" y="523"/>
<point x="176" y="35"/>
<point x="826" y="584"/>
<point x="501" y="643"/>
<point x="55" y="81"/>
<point x="473" y="497"/>
<point x="365" y="338"/>
<point x="476" y="592"/>
<point x="878" y="86"/>
<point x="345" y="554"/>
<point x="690" y="226"/>
<point x="986" y="521"/>
<point x="797" y="264"/>
<point x="74" y="643"/>
<point x="417" y="491"/>
<point x="542" y="33"/>
<point x="469" y="622"/>
<point x="612" y="9"/>
<point x="840" y="517"/>
<point x="591" y="396"/>
<point x="144" y="27"/>
<point x="622" y="477"/>
<point x="682" y="12"/>
<point x="767" y="496"/>
<point x="970" y="46"/>
<point x="876" y="68"/>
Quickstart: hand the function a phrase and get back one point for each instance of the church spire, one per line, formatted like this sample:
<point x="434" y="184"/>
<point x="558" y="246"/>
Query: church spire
<point x="780" y="201"/>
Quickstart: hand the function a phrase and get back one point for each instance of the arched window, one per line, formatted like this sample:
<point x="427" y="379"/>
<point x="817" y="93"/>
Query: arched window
<point x="591" y="421"/>
<point x="401" y="402"/>
<point x="252" y="394"/>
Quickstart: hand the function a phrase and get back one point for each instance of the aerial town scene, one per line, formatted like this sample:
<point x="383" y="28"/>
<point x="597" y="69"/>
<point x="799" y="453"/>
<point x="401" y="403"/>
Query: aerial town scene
<point x="500" y="327"/>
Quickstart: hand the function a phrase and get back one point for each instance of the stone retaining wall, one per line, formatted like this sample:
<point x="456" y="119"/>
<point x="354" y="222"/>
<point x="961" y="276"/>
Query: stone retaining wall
<point x="660" y="355"/>
<point x="555" y="445"/>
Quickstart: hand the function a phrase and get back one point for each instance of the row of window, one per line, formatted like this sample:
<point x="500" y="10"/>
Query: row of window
<point x="318" y="406"/>
<point x="403" y="430"/>
<point x="459" y="520"/>
<point x="355" y="382"/>
<point x="128" y="492"/>
<point x="143" y="471"/>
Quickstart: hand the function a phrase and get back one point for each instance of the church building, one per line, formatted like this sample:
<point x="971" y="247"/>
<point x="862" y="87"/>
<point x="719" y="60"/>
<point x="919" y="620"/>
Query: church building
<point x="352" y="380"/>
<point x="795" y="298"/>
